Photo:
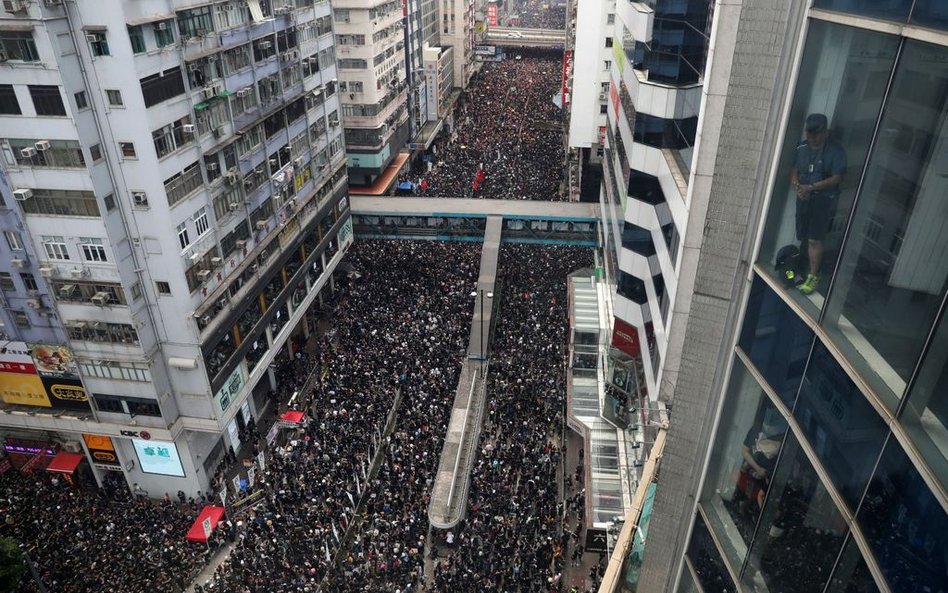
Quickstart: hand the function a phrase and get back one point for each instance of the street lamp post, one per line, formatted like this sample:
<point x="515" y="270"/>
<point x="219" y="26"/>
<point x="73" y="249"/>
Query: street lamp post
<point x="483" y="338"/>
<point x="482" y="327"/>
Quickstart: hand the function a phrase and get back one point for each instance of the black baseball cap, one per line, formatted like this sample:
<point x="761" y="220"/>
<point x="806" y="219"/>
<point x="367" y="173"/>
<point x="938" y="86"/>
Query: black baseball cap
<point x="815" y="122"/>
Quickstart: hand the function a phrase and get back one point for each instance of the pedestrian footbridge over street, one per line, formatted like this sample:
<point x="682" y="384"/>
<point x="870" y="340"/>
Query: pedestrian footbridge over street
<point x="465" y="219"/>
<point x="515" y="37"/>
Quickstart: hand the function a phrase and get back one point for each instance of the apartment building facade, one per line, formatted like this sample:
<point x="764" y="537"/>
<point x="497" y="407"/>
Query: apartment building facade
<point x="806" y="445"/>
<point x="656" y="58"/>
<point x="175" y="197"/>
<point x="373" y="84"/>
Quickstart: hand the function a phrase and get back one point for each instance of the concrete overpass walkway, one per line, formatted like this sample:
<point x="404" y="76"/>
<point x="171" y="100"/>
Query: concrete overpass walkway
<point x="464" y="219"/>
<point x="449" y="494"/>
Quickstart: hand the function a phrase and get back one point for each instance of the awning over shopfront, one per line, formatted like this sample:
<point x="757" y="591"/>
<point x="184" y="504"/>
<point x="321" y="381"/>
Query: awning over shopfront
<point x="65" y="463"/>
<point x="196" y="533"/>
<point x="384" y="181"/>
<point x="290" y="419"/>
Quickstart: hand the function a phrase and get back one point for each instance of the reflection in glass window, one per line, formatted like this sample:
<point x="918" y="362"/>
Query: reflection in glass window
<point x="905" y="525"/>
<point x="776" y="340"/>
<point x="894" y="267"/>
<point x="851" y="574"/>
<point x="840" y="423"/>
<point x="707" y="562"/>
<point x="742" y="463"/>
<point x="893" y="10"/>
<point x="843" y="78"/>
<point x="687" y="582"/>
<point x="931" y="13"/>
<point x="800" y="531"/>
<point x="925" y="415"/>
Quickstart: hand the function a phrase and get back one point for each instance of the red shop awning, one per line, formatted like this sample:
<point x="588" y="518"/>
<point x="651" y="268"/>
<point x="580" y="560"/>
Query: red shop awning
<point x="196" y="533"/>
<point x="65" y="463"/>
<point x="292" y="416"/>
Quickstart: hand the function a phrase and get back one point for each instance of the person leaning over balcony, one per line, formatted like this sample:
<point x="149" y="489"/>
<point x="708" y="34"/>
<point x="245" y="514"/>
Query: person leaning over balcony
<point x="818" y="168"/>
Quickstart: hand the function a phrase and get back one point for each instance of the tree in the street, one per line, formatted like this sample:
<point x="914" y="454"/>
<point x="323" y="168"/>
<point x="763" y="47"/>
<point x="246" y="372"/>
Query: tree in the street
<point x="12" y="565"/>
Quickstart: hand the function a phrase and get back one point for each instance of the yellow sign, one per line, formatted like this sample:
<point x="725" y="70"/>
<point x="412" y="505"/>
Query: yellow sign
<point x="23" y="389"/>
<point x="98" y="441"/>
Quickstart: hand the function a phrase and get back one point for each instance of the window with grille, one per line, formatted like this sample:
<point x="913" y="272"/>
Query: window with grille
<point x="9" y="105"/>
<point x="19" y="45"/>
<point x="55" y="247"/>
<point x="92" y="249"/>
<point x="200" y="221"/>
<point x="21" y="319"/>
<point x="196" y="22"/>
<point x="6" y="281"/>
<point x="164" y="33"/>
<point x="128" y="150"/>
<point x="183" y="239"/>
<point x="171" y="137"/>
<point x="29" y="281"/>
<point x="137" y="39"/>
<point x="13" y="240"/>
<point x="47" y="100"/>
<point x="104" y="403"/>
<point x="142" y="407"/>
<point x="114" y="97"/>
<point x="180" y="185"/>
<point x="59" y="153"/>
<point x="98" y="43"/>
<point x="162" y="86"/>
<point x="114" y="369"/>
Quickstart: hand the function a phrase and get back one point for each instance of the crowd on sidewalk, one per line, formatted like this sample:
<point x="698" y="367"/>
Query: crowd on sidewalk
<point x="507" y="142"/>
<point x="100" y="540"/>
<point x="513" y="537"/>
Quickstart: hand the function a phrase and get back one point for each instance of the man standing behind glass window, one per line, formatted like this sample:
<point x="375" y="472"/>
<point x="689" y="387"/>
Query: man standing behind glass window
<point x="818" y="168"/>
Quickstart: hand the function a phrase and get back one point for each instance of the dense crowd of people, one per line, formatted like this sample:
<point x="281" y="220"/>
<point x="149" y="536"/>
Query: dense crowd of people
<point x="540" y="14"/>
<point x="401" y="327"/>
<point x="507" y="142"/>
<point x="104" y="540"/>
<point x="513" y="538"/>
<point x="399" y="335"/>
<point x="399" y="330"/>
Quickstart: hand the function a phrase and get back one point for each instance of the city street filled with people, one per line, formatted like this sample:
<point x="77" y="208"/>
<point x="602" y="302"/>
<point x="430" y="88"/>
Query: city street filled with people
<point x="399" y="333"/>
<point x="513" y="538"/>
<point x="342" y="502"/>
<point x="508" y="141"/>
<point x="104" y="540"/>
<point x="538" y="14"/>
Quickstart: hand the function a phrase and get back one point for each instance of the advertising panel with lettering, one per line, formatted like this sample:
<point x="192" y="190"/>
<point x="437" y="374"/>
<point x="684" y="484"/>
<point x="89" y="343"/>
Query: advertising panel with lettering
<point x="158" y="457"/>
<point x="19" y="384"/>
<point x="57" y="368"/>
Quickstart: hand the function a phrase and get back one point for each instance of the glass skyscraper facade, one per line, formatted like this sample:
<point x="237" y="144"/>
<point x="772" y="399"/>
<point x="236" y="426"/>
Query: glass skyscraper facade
<point x="829" y="465"/>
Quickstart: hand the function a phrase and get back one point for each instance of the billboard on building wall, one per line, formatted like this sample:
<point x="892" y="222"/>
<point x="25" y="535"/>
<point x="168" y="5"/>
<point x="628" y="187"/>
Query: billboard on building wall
<point x="226" y="394"/>
<point x="345" y="233"/>
<point x="567" y="64"/>
<point x="42" y="375"/>
<point x="485" y="50"/>
<point x="101" y="449"/>
<point x="19" y="383"/>
<point x="57" y="368"/>
<point x="492" y="14"/>
<point x="158" y="457"/>
<point x="626" y="338"/>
